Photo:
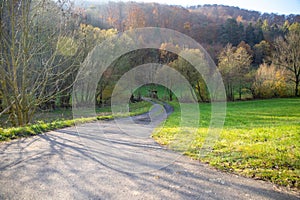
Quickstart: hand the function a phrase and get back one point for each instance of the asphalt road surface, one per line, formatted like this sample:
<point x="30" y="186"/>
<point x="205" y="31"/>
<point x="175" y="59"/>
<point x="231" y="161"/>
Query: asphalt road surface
<point x="116" y="160"/>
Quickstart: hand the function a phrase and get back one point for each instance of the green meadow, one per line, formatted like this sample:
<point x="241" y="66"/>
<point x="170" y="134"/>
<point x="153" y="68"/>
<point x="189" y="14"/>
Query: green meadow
<point x="260" y="139"/>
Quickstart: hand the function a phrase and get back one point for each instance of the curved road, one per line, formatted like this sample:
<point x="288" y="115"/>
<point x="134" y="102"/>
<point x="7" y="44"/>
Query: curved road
<point x="116" y="160"/>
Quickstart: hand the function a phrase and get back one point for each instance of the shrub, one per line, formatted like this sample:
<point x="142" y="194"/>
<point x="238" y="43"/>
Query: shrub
<point x="271" y="82"/>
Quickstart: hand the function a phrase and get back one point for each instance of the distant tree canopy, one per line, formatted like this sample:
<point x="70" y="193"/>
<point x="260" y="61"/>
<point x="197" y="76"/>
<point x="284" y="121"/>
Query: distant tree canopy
<point x="43" y="43"/>
<point x="210" y="25"/>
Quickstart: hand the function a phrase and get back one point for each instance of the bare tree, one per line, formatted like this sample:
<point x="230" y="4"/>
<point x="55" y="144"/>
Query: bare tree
<point x="287" y="56"/>
<point x="36" y="51"/>
<point x="136" y="17"/>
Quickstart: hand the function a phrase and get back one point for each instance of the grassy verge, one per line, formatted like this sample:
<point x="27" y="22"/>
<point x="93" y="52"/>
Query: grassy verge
<point x="60" y="122"/>
<point x="260" y="139"/>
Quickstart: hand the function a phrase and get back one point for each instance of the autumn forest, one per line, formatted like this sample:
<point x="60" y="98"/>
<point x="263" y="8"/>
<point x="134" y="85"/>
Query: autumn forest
<point x="43" y="44"/>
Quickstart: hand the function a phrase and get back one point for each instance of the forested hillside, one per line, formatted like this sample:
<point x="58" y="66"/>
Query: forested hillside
<point x="224" y="32"/>
<point x="43" y="44"/>
<point x="213" y="26"/>
<point x="208" y="24"/>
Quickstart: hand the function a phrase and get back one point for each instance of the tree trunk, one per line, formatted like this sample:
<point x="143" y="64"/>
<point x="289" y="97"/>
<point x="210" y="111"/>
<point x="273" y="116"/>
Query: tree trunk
<point x="297" y="87"/>
<point x="199" y="92"/>
<point x="170" y="95"/>
<point x="101" y="99"/>
<point x="231" y="93"/>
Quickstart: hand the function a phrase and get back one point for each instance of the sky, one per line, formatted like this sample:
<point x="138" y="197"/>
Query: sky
<point x="275" y="6"/>
<point x="270" y="6"/>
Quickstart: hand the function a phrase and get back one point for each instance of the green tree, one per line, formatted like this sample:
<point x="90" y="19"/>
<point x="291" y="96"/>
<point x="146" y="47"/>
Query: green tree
<point x="234" y="65"/>
<point x="262" y="52"/>
<point x="295" y="28"/>
<point x="191" y="73"/>
<point x="250" y="37"/>
<point x="285" y="27"/>
<point x="232" y="32"/>
<point x="259" y="35"/>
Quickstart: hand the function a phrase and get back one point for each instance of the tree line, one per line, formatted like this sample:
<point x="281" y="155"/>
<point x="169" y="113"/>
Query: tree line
<point x="44" y="42"/>
<point x="256" y="44"/>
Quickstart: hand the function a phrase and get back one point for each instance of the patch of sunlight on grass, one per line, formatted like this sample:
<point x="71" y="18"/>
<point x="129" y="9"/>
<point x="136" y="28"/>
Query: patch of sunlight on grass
<point x="260" y="139"/>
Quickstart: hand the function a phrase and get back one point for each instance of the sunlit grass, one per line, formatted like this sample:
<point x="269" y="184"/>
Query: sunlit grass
<point x="260" y="139"/>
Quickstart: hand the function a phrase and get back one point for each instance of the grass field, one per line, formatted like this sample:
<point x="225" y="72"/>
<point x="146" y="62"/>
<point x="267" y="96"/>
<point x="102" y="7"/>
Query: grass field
<point x="260" y="139"/>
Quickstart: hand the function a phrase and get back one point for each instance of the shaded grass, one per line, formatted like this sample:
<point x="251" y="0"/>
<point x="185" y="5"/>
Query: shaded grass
<point x="42" y="126"/>
<point x="134" y="109"/>
<point x="38" y="128"/>
<point x="162" y="92"/>
<point x="260" y="139"/>
<point x="53" y="115"/>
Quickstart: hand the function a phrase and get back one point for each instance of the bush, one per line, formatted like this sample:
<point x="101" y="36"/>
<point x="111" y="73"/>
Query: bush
<point x="271" y="82"/>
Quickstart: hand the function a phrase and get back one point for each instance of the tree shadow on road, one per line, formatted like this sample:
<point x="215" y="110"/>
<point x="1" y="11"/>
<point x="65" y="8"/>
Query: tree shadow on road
<point x="72" y="165"/>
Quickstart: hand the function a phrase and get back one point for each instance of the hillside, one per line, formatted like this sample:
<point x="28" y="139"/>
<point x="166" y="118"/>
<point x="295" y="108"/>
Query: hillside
<point x="222" y="12"/>
<point x="213" y="26"/>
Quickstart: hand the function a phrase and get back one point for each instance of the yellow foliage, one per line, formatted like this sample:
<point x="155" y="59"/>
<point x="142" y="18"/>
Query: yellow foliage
<point x="271" y="82"/>
<point x="94" y="35"/>
<point x="66" y="46"/>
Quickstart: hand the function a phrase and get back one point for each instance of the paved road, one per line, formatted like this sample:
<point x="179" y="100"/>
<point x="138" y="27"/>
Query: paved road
<point x="115" y="160"/>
